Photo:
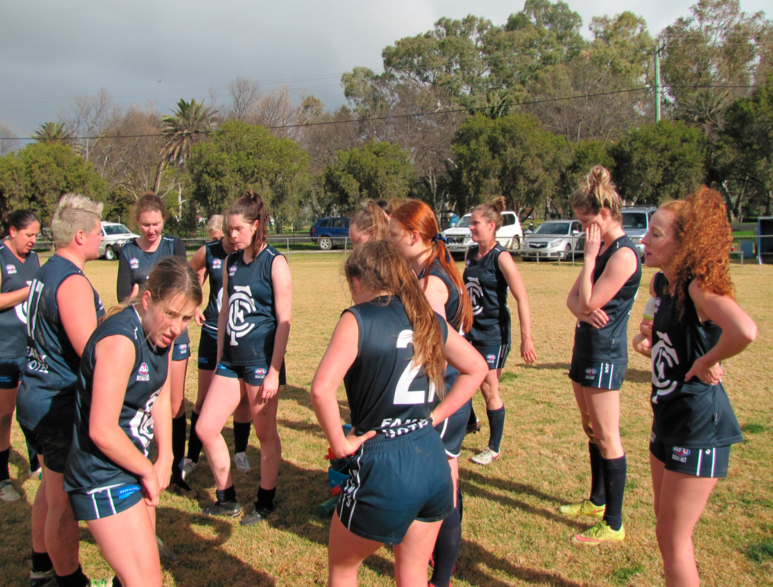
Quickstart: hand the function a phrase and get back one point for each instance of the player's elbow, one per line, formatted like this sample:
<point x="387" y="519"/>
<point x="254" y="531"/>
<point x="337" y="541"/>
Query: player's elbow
<point x="748" y="332"/>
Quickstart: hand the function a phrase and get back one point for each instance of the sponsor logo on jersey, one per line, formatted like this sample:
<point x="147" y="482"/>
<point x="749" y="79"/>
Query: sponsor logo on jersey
<point x="217" y="263"/>
<point x="657" y="305"/>
<point x="10" y="269"/>
<point x="144" y="373"/>
<point x="134" y="263"/>
<point x="475" y="291"/>
<point x="39" y="366"/>
<point x="239" y="305"/>
<point x="664" y="358"/>
<point x="183" y="348"/>
<point x="232" y="270"/>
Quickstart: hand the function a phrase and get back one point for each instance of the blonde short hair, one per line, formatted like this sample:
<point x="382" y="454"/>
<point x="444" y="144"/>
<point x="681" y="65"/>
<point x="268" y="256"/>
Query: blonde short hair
<point x="215" y="223"/>
<point x="74" y="212"/>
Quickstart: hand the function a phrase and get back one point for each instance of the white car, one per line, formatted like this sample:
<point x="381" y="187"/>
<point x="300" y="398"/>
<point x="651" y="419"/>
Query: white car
<point x="509" y="236"/>
<point x="114" y="237"/>
<point x="554" y="239"/>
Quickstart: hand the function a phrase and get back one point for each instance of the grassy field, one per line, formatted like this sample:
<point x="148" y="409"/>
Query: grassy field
<point x="512" y="533"/>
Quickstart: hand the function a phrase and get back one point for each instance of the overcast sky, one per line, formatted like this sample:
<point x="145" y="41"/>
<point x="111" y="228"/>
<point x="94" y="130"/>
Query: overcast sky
<point x="143" y="50"/>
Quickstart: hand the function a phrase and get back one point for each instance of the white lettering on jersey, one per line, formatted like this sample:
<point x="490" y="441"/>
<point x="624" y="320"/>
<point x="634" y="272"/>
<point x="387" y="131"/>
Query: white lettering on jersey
<point x="21" y="309"/>
<point x="239" y="304"/>
<point x="663" y="356"/>
<point x="475" y="291"/>
<point x="403" y="396"/>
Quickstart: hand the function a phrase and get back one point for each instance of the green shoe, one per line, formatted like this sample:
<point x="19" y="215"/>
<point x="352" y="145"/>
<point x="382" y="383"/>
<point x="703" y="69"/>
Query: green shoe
<point x="600" y="533"/>
<point x="585" y="508"/>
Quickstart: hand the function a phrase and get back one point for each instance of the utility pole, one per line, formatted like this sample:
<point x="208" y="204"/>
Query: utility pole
<point x="658" y="49"/>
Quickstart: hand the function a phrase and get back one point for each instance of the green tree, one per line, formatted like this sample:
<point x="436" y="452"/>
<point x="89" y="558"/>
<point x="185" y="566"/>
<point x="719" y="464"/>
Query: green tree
<point x="37" y="176"/>
<point x="585" y="155"/>
<point x="190" y="123"/>
<point x="513" y="156"/>
<point x="239" y="157"/>
<point x="717" y="45"/>
<point x="376" y="170"/>
<point x="659" y="162"/>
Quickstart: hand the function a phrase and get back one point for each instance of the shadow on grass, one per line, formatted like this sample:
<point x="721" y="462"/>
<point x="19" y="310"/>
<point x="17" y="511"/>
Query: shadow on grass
<point x="302" y="397"/>
<point x="546" y="366"/>
<point x="478" y="491"/>
<point x="314" y="429"/>
<point x="200" y="560"/>
<point x="473" y="557"/>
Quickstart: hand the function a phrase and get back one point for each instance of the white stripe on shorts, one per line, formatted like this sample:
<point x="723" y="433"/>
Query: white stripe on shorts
<point x="354" y="494"/>
<point x="713" y="460"/>
<point x="96" y="509"/>
<point x="700" y="459"/>
<point x="611" y="373"/>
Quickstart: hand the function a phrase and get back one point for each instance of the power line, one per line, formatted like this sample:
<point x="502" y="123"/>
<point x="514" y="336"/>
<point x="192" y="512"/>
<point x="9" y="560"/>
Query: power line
<point x="399" y="116"/>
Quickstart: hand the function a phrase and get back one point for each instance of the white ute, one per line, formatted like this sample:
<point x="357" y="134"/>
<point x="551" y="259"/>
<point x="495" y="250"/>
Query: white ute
<point x="509" y="236"/>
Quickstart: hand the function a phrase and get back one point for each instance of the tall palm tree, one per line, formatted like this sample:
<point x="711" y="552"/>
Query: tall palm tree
<point x="189" y="123"/>
<point x="53" y="132"/>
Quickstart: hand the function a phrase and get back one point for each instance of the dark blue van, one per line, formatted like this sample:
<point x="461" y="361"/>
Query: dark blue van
<point x="330" y="232"/>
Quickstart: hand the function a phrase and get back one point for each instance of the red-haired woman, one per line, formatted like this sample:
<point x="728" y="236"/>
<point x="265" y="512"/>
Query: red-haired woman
<point x="414" y="229"/>
<point x="697" y="325"/>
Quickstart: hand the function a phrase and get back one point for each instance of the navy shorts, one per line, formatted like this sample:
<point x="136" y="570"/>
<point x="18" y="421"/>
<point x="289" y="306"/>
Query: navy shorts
<point x="495" y="356"/>
<point x="207" y="350"/>
<point x="454" y="429"/>
<point x="700" y="462"/>
<point x="393" y="482"/>
<point x="250" y="374"/>
<point x="52" y="439"/>
<point x="599" y="375"/>
<point x="104" y="501"/>
<point x="181" y="352"/>
<point x="10" y="372"/>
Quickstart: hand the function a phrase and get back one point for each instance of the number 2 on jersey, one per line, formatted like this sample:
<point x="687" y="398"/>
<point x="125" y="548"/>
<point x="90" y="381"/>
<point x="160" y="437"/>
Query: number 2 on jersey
<point x="403" y="395"/>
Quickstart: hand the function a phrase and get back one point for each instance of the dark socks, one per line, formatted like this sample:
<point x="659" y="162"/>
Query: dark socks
<point x="241" y="436"/>
<point x="34" y="462"/>
<point x="473" y="419"/>
<point x="496" y="422"/>
<point x="614" y="488"/>
<point x="4" y="455"/>
<point x="265" y="498"/>
<point x="77" y="579"/>
<point x="179" y="426"/>
<point x="228" y="494"/>
<point x="597" y="495"/>
<point x="117" y="582"/>
<point x="449" y="540"/>
<point x="194" y="444"/>
<point x="41" y="563"/>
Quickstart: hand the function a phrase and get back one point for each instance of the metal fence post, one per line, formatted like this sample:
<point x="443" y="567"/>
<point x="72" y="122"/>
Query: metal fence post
<point x="288" y="250"/>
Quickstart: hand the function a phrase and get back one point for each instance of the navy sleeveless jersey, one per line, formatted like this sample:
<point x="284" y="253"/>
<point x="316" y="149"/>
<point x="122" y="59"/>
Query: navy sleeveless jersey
<point x="454" y="295"/>
<point x="214" y="261"/>
<point x="249" y="336"/>
<point x="610" y="343"/>
<point x="690" y="414"/>
<point x="48" y="384"/>
<point x="386" y="392"/>
<point x="87" y="466"/>
<point x="16" y="275"/>
<point x="134" y="266"/>
<point x="487" y="289"/>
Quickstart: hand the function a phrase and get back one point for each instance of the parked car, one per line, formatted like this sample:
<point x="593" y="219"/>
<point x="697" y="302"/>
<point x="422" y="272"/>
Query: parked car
<point x="114" y="237"/>
<point x="330" y="232"/>
<point x="636" y="223"/>
<point x="509" y="236"/>
<point x="553" y="239"/>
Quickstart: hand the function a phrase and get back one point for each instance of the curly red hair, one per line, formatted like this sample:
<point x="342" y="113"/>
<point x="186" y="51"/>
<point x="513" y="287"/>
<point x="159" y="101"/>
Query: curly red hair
<point x="703" y="232"/>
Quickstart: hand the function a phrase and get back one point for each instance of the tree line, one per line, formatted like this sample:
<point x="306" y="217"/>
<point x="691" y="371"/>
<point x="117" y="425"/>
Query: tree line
<point x="460" y="114"/>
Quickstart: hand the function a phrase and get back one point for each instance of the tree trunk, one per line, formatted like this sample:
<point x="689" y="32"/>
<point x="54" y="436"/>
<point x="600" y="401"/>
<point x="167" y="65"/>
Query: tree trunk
<point x="159" y="171"/>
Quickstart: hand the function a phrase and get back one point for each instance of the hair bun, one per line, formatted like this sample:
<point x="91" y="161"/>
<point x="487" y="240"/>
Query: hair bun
<point x="599" y="176"/>
<point x="251" y="195"/>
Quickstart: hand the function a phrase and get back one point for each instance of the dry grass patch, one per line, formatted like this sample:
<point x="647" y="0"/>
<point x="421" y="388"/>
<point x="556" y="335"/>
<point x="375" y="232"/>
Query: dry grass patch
<point x="512" y="533"/>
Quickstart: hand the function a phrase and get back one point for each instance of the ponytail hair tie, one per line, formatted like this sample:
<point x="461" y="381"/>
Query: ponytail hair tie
<point x="439" y="237"/>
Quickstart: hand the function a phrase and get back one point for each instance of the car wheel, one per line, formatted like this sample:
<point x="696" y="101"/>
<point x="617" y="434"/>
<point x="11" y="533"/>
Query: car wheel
<point x="325" y="243"/>
<point x="568" y="252"/>
<point x="110" y="254"/>
<point x="515" y="243"/>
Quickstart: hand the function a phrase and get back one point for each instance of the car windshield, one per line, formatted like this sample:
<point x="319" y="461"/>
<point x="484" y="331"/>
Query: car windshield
<point x="634" y="220"/>
<point x="553" y="228"/>
<point x="114" y="229"/>
<point x="464" y="222"/>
